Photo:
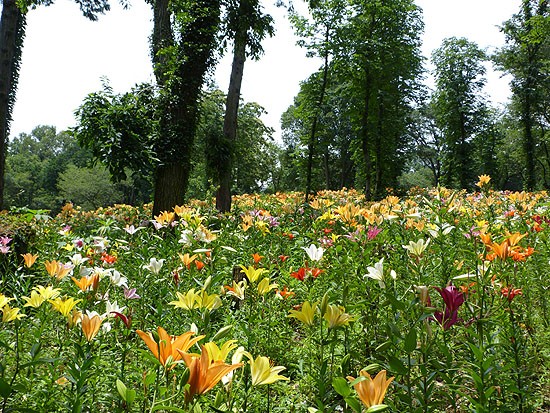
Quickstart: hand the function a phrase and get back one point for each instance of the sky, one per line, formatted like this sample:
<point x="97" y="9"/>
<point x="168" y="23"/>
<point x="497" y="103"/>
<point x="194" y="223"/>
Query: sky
<point x="65" y="56"/>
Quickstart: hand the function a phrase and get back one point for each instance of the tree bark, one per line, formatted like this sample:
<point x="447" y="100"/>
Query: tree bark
<point x="182" y="83"/>
<point x="12" y="28"/>
<point x="223" y="194"/>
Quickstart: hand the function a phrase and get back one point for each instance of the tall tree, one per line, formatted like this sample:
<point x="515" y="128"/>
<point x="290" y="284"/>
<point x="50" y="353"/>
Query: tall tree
<point x="155" y="127"/>
<point x="526" y="56"/>
<point x="12" y="34"/>
<point x="247" y="26"/>
<point x="384" y="62"/>
<point x="459" y="105"/>
<point x="183" y="43"/>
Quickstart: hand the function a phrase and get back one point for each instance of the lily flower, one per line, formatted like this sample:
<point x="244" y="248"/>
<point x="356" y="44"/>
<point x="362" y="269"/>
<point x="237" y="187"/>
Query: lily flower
<point x="263" y="373"/>
<point x="377" y="273"/>
<point x="29" y="259"/>
<point x="453" y="299"/>
<point x="337" y="317"/>
<point x="307" y="314"/>
<point x="154" y="265"/>
<point x="4" y="300"/>
<point x="265" y="286"/>
<point x="220" y="354"/>
<point x="187" y="301"/>
<point x="90" y="325"/>
<point x="314" y="253"/>
<point x="166" y="349"/>
<point x="10" y="314"/>
<point x="64" y="306"/>
<point x="187" y="260"/>
<point x="252" y="273"/>
<point x="237" y="289"/>
<point x="417" y="248"/>
<point x="371" y="391"/>
<point x="204" y="373"/>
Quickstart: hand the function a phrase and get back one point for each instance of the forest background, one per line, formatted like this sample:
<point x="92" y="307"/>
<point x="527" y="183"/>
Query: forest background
<point x="365" y="119"/>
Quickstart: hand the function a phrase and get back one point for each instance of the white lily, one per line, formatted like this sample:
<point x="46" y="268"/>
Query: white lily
<point x="314" y="253"/>
<point x="154" y="265"/>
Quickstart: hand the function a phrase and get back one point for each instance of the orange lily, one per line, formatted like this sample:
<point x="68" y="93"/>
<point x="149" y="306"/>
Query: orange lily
<point x="204" y="373"/>
<point x="90" y="326"/>
<point x="187" y="260"/>
<point x="30" y="259"/>
<point x="372" y="391"/>
<point x="166" y="348"/>
<point x="257" y="257"/>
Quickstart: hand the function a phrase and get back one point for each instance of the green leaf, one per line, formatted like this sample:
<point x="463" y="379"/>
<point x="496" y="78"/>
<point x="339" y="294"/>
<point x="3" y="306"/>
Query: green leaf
<point x="341" y="386"/>
<point x="410" y="341"/>
<point x="353" y="403"/>
<point x="5" y="388"/>
<point x="397" y="365"/>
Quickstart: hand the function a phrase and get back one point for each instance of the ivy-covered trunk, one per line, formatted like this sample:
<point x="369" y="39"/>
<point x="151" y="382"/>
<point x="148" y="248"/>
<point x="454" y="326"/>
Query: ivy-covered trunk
<point x="12" y="28"/>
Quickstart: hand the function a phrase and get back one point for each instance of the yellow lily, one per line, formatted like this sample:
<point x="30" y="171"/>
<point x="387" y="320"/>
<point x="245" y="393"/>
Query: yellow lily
<point x="35" y="300"/>
<point x="4" y="300"/>
<point x="252" y="273"/>
<point x="307" y="314"/>
<point x="210" y="302"/>
<point x="187" y="301"/>
<point x="216" y="353"/>
<point x="10" y="314"/>
<point x="48" y="292"/>
<point x="166" y="349"/>
<point x="264" y="286"/>
<point x="187" y="260"/>
<point x="263" y="373"/>
<point x="64" y="306"/>
<point x="337" y="317"/>
<point x="237" y="289"/>
<point x="204" y="372"/>
<point x="371" y="391"/>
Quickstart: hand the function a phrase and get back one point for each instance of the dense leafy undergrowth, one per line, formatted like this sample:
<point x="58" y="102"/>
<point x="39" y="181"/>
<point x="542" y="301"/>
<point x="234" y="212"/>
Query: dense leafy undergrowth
<point x="282" y="306"/>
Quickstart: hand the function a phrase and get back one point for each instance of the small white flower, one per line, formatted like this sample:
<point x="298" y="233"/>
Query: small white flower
<point x="314" y="253"/>
<point x="154" y="265"/>
<point x="106" y="327"/>
<point x="130" y="229"/>
<point x="377" y="273"/>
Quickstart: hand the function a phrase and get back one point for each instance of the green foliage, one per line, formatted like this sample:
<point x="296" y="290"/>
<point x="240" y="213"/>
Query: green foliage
<point x="89" y="188"/>
<point x="119" y="130"/>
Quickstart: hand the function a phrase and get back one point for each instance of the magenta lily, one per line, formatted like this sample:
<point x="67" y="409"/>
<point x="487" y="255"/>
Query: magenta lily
<point x="453" y="298"/>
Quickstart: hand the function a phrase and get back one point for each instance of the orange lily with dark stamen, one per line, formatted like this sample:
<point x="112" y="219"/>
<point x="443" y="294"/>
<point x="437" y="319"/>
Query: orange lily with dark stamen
<point x="166" y="350"/>
<point x="204" y="373"/>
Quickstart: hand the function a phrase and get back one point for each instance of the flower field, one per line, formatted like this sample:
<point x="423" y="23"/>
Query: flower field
<point x="437" y="302"/>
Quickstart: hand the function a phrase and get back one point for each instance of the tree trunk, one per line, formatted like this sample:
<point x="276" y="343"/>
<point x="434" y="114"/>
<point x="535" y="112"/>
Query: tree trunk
<point x="12" y="32"/>
<point x="169" y="191"/>
<point x="365" y="138"/>
<point x="223" y="194"/>
<point x="312" y="137"/>
<point x="182" y="86"/>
